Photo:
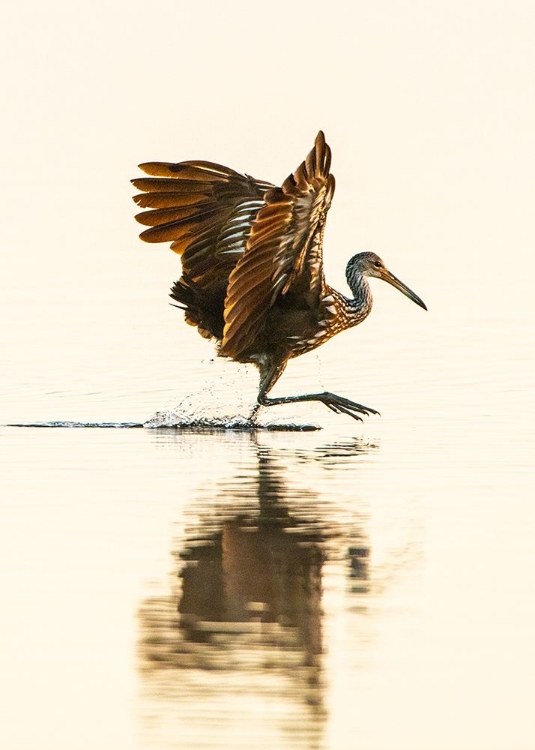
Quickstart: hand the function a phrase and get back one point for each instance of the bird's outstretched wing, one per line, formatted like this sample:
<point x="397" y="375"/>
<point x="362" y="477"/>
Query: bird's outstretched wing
<point x="205" y="210"/>
<point x="284" y="251"/>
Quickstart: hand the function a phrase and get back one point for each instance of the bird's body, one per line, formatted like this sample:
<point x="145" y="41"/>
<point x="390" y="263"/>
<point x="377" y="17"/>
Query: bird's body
<point x="252" y="262"/>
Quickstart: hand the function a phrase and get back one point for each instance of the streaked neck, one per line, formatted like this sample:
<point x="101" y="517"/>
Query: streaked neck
<point x="362" y="296"/>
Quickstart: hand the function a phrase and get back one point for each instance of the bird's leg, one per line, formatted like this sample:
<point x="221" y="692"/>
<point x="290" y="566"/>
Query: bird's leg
<point x="269" y="374"/>
<point x="338" y="404"/>
<point x="254" y="412"/>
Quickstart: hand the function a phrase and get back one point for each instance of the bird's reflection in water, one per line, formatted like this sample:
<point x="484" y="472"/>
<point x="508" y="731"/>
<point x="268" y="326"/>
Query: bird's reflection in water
<point x="248" y="604"/>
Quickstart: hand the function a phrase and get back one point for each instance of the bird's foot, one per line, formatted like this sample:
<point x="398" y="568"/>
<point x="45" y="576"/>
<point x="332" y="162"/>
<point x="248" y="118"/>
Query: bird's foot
<point x="341" y="405"/>
<point x="338" y="404"/>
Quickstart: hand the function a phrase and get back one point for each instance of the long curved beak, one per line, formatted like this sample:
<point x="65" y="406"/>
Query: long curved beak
<point x="391" y="279"/>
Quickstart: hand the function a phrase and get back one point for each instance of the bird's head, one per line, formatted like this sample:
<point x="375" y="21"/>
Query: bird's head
<point x="370" y="264"/>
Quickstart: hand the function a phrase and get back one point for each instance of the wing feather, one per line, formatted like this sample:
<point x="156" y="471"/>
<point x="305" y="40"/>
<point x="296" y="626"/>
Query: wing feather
<point x="204" y="209"/>
<point x="283" y="252"/>
<point x="168" y="200"/>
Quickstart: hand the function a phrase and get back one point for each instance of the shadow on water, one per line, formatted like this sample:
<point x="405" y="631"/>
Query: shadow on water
<point x="242" y="629"/>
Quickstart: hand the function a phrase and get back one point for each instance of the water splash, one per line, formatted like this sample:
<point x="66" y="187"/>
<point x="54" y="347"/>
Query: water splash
<point x="181" y="418"/>
<point x="227" y="403"/>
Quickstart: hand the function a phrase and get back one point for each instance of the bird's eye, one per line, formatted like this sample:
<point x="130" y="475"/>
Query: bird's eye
<point x="377" y="263"/>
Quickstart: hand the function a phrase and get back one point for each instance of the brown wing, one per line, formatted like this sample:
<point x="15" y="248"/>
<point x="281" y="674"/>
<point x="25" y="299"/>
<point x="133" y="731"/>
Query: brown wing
<point x="284" y="251"/>
<point x="205" y="210"/>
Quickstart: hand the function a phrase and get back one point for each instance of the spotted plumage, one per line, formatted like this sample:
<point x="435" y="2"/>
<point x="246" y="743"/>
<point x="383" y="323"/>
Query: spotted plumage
<point x="252" y="262"/>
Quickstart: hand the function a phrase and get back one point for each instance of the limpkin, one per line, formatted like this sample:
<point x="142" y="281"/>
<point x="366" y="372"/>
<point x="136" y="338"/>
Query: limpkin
<point x="252" y="266"/>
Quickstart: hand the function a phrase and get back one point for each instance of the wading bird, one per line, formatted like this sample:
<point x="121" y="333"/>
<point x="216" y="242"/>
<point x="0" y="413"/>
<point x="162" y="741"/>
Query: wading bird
<point x="252" y="265"/>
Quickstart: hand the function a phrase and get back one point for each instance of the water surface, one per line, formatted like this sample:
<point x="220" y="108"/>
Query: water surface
<point x="365" y="585"/>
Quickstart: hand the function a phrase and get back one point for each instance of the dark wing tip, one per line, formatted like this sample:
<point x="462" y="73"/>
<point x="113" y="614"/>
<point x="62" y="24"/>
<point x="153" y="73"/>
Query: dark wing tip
<point x="315" y="168"/>
<point x="160" y="168"/>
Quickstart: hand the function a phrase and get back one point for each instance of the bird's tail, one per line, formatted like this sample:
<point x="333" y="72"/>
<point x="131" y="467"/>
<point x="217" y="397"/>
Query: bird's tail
<point x="205" y="313"/>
